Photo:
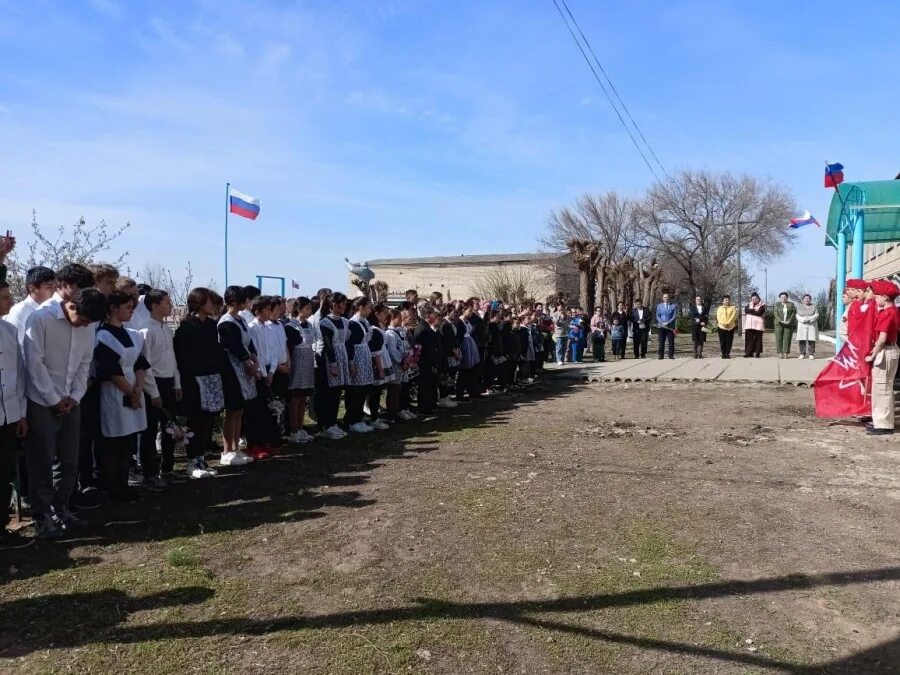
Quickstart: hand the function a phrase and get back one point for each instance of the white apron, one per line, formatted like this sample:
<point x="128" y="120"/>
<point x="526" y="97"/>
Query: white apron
<point x="303" y="359"/>
<point x="387" y="363"/>
<point x="362" y="357"/>
<point x="246" y="381"/>
<point x="116" y="419"/>
<point x="339" y="328"/>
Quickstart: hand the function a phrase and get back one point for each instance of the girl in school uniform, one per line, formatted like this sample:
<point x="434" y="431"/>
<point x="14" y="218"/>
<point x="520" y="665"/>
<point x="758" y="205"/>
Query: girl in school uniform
<point x="449" y="367"/>
<point x="120" y="366"/>
<point x="259" y="424"/>
<point x="332" y="364"/>
<point x="362" y="374"/>
<point x="301" y="336"/>
<point x="396" y="346"/>
<point x="467" y="381"/>
<point x="279" y="390"/>
<point x="239" y="377"/>
<point x="382" y="364"/>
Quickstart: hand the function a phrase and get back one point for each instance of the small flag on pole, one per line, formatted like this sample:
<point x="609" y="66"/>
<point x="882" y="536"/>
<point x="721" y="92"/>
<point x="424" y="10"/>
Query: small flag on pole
<point x="834" y="175"/>
<point x="805" y="219"/>
<point x="243" y="205"/>
<point x="294" y="285"/>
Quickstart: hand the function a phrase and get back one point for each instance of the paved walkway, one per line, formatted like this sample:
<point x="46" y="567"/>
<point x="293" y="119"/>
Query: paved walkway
<point x="773" y="370"/>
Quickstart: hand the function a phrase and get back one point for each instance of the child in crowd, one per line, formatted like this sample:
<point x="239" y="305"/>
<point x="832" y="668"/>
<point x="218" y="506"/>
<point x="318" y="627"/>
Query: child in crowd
<point x="202" y="365"/>
<point x="120" y="369"/>
<point x="301" y="337"/>
<point x="382" y="366"/>
<point x="428" y="339"/>
<point x="332" y="364"/>
<point x="362" y="375"/>
<point x="162" y="389"/>
<point x="617" y="335"/>
<point x="40" y="284"/>
<point x="259" y="424"/>
<point x="239" y="380"/>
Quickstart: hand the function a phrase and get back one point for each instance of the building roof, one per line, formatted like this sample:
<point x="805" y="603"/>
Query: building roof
<point x="480" y="259"/>
<point x="879" y="203"/>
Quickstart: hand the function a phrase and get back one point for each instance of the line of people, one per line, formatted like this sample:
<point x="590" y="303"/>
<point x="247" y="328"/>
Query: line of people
<point x="96" y="384"/>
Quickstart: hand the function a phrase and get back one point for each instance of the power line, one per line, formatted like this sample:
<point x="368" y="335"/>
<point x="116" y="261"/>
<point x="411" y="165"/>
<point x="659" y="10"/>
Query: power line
<point x="613" y="87"/>
<point x="607" y="94"/>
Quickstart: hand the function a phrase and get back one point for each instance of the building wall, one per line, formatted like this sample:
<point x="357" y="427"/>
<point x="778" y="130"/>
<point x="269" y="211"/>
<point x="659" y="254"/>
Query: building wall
<point x="460" y="280"/>
<point x="881" y="260"/>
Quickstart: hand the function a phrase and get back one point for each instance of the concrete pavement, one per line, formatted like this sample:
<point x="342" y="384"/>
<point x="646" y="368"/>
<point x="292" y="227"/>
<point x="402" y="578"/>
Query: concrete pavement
<point x="769" y="369"/>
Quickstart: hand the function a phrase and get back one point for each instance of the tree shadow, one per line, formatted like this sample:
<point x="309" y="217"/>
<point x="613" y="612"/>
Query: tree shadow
<point x="878" y="659"/>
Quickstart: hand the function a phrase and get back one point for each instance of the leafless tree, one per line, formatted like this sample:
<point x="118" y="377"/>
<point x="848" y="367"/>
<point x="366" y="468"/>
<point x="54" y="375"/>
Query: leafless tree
<point x="79" y="243"/>
<point x="158" y="276"/>
<point x="694" y="220"/>
<point x="512" y="285"/>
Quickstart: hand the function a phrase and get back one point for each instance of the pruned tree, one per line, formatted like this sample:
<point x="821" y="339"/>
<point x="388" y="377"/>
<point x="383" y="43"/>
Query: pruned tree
<point x="79" y="243"/>
<point x="694" y="221"/>
<point x="512" y="284"/>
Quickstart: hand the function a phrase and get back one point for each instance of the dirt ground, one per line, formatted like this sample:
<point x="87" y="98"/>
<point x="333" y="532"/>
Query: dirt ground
<point x="573" y="528"/>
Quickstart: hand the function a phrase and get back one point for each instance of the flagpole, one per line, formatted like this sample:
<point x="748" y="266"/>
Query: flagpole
<point x="227" y="191"/>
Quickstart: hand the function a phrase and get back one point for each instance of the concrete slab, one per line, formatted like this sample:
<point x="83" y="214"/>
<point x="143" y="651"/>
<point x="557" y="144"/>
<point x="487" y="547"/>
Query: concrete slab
<point x="751" y="370"/>
<point x="590" y="370"/>
<point x="796" y="371"/>
<point x="649" y="369"/>
<point x="702" y="370"/>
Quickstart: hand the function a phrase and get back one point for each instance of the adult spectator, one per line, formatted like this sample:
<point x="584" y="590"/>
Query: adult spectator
<point x="785" y="315"/>
<point x="699" y="321"/>
<point x="624" y="319"/>
<point x="726" y="322"/>
<point x="640" y="325"/>
<point x="560" y="332"/>
<point x="807" y="327"/>
<point x="754" y="325"/>
<point x="665" y="321"/>
<point x="598" y="335"/>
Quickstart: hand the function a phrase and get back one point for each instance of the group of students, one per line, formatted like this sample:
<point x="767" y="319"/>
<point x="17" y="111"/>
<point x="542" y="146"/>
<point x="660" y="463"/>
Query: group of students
<point x="95" y="383"/>
<point x="870" y="324"/>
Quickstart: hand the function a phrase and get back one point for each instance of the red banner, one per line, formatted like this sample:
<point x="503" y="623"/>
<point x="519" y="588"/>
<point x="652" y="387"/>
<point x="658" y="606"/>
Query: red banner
<point x="842" y="389"/>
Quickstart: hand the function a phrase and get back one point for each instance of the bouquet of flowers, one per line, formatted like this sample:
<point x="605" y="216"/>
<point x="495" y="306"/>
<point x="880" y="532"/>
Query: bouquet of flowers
<point x="411" y="360"/>
<point x="182" y="435"/>
<point x="276" y="406"/>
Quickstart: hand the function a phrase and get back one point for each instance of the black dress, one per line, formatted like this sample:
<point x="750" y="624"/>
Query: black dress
<point x="197" y="353"/>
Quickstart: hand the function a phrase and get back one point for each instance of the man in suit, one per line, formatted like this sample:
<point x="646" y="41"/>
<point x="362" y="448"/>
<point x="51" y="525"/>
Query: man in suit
<point x="785" y="317"/>
<point x="699" y="321"/>
<point x="623" y="316"/>
<point x="640" y="323"/>
<point x="665" y="321"/>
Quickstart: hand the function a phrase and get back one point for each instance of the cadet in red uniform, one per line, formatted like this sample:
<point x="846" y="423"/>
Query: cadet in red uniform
<point x="884" y="358"/>
<point x="861" y="317"/>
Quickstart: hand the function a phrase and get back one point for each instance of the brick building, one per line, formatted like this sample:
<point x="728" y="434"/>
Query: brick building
<point x="462" y="276"/>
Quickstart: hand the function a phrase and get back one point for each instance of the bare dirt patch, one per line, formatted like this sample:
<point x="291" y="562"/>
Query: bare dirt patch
<point x="577" y="528"/>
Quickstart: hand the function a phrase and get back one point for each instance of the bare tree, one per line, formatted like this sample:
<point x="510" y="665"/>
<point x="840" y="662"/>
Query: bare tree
<point x="694" y="220"/>
<point x="76" y="244"/>
<point x="512" y="285"/>
<point x="158" y="276"/>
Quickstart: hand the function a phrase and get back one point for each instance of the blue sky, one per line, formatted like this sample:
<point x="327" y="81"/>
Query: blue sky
<point x="421" y="127"/>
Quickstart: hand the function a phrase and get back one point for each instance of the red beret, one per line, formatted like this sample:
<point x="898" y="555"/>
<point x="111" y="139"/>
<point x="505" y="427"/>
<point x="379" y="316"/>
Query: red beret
<point x="885" y="287"/>
<point x="857" y="284"/>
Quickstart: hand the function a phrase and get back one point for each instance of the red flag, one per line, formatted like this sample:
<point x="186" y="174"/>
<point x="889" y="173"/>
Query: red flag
<point x="842" y="388"/>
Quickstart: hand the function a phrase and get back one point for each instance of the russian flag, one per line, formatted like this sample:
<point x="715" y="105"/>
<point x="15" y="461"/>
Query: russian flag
<point x="294" y="285"/>
<point x="834" y="175"/>
<point x="805" y="219"/>
<point x="243" y="205"/>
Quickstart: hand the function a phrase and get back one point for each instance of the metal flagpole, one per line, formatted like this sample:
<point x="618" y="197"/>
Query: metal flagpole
<point x="227" y="192"/>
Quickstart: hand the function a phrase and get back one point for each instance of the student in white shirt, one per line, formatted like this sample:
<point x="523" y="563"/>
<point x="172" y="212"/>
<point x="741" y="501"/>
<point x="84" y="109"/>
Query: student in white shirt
<point x="13" y="425"/>
<point x="40" y="284"/>
<point x="58" y="348"/>
<point x="106" y="277"/>
<point x="251" y="293"/>
<point x="259" y="425"/>
<point x="162" y="391"/>
<point x="278" y="339"/>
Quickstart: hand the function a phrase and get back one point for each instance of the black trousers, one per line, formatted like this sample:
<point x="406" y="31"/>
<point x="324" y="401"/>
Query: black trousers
<point x="114" y="455"/>
<point x="726" y="339"/>
<point x="354" y="399"/>
<point x="326" y="400"/>
<point x="259" y="423"/>
<point x="641" y="338"/>
<point x="753" y="342"/>
<point x="9" y="448"/>
<point x="666" y="336"/>
<point x="598" y="347"/>
<point x="373" y="399"/>
<point x="88" y="456"/>
<point x="468" y="382"/>
<point x="157" y="420"/>
<point x="406" y="395"/>
<point x="201" y="424"/>
<point x="428" y="390"/>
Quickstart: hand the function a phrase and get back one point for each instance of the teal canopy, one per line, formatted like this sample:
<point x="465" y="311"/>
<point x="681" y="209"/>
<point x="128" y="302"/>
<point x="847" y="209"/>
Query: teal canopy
<point x="879" y="203"/>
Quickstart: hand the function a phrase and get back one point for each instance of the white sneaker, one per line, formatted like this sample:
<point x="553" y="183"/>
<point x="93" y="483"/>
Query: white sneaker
<point x="447" y="403"/>
<point x="380" y="425"/>
<point x="196" y="469"/>
<point x="559" y="363"/>
<point x="360" y="428"/>
<point x="406" y="415"/>
<point x="294" y="437"/>
<point x="234" y="459"/>
<point x="811" y="356"/>
<point x="334" y="433"/>
<point x="801" y="357"/>
<point x="303" y="437"/>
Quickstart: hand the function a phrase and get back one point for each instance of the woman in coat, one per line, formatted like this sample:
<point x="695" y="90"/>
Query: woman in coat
<point x="754" y="325"/>
<point x="807" y="327"/>
<point x="699" y="321"/>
